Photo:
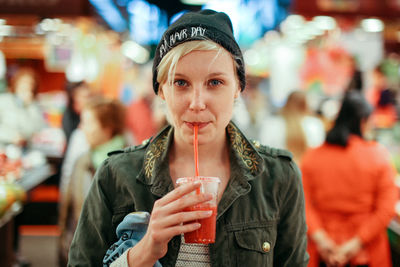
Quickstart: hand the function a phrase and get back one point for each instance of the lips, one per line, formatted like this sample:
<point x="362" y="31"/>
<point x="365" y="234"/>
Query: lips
<point x="199" y="124"/>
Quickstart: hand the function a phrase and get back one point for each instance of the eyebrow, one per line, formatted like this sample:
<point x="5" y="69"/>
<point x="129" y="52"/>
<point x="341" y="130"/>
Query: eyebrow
<point x="209" y="75"/>
<point x="217" y="74"/>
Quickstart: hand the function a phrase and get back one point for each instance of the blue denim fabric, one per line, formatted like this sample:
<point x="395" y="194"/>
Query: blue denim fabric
<point x="129" y="232"/>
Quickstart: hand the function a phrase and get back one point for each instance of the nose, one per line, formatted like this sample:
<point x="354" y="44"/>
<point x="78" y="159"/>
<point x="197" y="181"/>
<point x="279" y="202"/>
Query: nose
<point x="197" y="101"/>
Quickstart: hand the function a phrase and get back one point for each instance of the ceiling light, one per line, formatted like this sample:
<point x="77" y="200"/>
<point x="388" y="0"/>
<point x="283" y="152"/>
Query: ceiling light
<point x="251" y="57"/>
<point x="325" y="23"/>
<point x="135" y="52"/>
<point x="195" y="2"/>
<point x="372" y="25"/>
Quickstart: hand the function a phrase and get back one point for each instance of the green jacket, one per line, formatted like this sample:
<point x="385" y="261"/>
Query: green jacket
<point x="260" y="221"/>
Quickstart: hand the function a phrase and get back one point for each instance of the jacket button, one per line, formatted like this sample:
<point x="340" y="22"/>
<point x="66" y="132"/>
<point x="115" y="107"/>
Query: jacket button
<point x="145" y="142"/>
<point x="256" y="143"/>
<point x="266" y="247"/>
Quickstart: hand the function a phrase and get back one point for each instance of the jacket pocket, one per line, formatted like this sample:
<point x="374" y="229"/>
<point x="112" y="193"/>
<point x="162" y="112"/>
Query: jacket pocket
<point x="254" y="246"/>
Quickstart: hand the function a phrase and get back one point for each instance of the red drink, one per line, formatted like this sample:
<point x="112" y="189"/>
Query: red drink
<point x="206" y="233"/>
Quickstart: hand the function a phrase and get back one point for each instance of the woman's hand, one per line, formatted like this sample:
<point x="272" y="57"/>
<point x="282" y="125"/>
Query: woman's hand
<point x="326" y="247"/>
<point x="166" y="221"/>
<point x="348" y="250"/>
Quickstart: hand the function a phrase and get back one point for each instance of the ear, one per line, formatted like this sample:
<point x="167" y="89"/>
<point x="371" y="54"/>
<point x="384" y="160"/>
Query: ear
<point x="237" y="92"/>
<point x="161" y="92"/>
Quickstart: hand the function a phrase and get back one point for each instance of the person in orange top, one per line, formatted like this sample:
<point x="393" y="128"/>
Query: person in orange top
<point x="350" y="193"/>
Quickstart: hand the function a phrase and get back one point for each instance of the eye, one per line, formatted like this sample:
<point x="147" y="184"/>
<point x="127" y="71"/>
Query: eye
<point x="214" y="82"/>
<point x="180" y="83"/>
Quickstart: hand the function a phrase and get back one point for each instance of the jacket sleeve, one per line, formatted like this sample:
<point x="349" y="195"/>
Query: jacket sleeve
<point x="94" y="233"/>
<point x="386" y="195"/>
<point x="129" y="232"/>
<point x="291" y="244"/>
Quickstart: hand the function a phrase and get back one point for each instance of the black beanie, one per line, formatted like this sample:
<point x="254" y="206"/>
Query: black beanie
<point x="203" y="25"/>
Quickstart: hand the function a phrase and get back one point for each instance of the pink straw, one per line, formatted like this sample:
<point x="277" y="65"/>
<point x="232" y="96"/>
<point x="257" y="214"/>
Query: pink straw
<point x="196" y="153"/>
<point x="196" y="149"/>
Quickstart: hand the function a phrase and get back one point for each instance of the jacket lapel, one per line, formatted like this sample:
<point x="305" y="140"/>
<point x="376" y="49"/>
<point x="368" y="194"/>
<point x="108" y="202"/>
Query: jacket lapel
<point x="246" y="164"/>
<point x="155" y="170"/>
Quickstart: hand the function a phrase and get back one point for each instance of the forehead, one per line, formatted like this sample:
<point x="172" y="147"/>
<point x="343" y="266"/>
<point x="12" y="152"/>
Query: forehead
<point x="26" y="78"/>
<point x="212" y="60"/>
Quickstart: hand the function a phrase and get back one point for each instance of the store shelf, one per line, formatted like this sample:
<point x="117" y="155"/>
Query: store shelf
<point x="14" y="210"/>
<point x="35" y="176"/>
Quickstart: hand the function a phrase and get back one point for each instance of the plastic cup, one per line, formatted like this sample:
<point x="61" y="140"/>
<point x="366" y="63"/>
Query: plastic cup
<point x="206" y="233"/>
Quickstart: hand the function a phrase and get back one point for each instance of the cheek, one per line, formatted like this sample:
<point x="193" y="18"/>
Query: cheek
<point x="94" y="136"/>
<point x="224" y="103"/>
<point x="91" y="130"/>
<point x="226" y="109"/>
<point x="175" y="105"/>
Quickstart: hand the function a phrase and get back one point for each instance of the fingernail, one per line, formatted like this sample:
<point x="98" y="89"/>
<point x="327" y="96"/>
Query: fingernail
<point x="197" y="225"/>
<point x="208" y="212"/>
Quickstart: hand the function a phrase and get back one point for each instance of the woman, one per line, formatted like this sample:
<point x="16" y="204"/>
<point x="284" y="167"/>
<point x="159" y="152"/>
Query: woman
<point x="20" y="115"/>
<point x="350" y="193"/>
<point x="198" y="71"/>
<point x="102" y="123"/>
<point x="78" y="95"/>
<point x="294" y="129"/>
<point x="144" y="118"/>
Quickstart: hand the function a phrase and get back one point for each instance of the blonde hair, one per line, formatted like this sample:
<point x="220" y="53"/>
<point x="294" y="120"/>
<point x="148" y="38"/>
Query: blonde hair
<point x="293" y="112"/>
<point x="166" y="68"/>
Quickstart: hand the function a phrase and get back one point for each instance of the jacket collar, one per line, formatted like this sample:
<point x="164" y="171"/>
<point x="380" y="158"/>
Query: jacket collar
<point x="155" y="171"/>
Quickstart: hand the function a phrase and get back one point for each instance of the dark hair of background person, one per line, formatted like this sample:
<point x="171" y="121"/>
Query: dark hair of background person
<point x="71" y="118"/>
<point x="22" y="71"/>
<point x="110" y="113"/>
<point x="70" y="88"/>
<point x="356" y="82"/>
<point x="353" y="111"/>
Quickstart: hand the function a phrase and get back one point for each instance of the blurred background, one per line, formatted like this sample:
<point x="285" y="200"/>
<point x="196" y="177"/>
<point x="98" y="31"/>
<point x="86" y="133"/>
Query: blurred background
<point x="58" y="55"/>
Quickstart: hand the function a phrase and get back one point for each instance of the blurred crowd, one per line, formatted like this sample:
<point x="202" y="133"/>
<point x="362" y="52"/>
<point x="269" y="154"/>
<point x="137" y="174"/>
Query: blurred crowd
<point x="348" y="178"/>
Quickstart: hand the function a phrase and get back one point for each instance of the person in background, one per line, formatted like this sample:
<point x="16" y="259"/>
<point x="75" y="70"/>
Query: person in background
<point x="356" y="81"/>
<point x="143" y="118"/>
<point x="198" y="71"/>
<point x="102" y="123"/>
<point x="350" y="192"/>
<point x="20" y="115"/>
<point x="382" y="97"/>
<point x="294" y="128"/>
<point x="78" y="94"/>
<point x="251" y="107"/>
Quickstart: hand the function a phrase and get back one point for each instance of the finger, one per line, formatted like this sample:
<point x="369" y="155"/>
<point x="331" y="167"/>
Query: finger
<point x="332" y="260"/>
<point x="187" y="202"/>
<point x="184" y="217"/>
<point x="181" y="229"/>
<point x="165" y="235"/>
<point x="341" y="259"/>
<point x="178" y="193"/>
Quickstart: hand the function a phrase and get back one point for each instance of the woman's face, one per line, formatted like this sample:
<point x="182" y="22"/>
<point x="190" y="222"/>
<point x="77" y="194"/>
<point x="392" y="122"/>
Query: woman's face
<point x="81" y="97"/>
<point x="202" y="94"/>
<point x="24" y="88"/>
<point x="94" y="132"/>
